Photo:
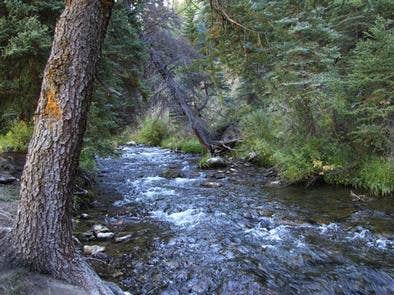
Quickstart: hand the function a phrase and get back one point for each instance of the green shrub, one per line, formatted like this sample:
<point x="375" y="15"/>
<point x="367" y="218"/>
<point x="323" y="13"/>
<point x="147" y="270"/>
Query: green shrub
<point x="376" y="175"/>
<point x="87" y="161"/>
<point x="300" y="161"/>
<point x="257" y="131"/>
<point x="17" y="138"/>
<point x="192" y="145"/>
<point x="152" y="131"/>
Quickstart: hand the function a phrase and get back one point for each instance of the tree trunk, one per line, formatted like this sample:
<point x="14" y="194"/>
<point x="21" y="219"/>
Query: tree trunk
<point x="42" y="234"/>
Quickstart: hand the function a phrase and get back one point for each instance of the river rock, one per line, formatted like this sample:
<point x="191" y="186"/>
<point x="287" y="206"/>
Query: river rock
<point x="131" y="143"/>
<point x="85" y="216"/>
<point x="211" y="184"/>
<point x="123" y="238"/>
<point x="216" y="162"/>
<point x="252" y="157"/>
<point x="93" y="250"/>
<point x="274" y="184"/>
<point x="105" y="236"/>
<point x="98" y="228"/>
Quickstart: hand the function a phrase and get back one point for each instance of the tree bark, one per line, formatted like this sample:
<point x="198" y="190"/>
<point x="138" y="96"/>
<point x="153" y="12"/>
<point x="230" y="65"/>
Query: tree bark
<point x="42" y="234"/>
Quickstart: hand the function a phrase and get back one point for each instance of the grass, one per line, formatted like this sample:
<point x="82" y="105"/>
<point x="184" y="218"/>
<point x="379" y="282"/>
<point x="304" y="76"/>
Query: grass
<point x="376" y="175"/>
<point x="152" y="131"/>
<point x="158" y="132"/>
<point x="188" y="144"/>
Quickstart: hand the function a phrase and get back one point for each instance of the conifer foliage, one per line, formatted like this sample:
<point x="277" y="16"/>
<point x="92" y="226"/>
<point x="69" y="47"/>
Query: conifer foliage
<point x="315" y="84"/>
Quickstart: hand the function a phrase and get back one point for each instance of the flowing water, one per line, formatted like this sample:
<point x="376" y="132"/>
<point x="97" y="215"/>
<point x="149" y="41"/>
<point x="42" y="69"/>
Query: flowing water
<point x="242" y="238"/>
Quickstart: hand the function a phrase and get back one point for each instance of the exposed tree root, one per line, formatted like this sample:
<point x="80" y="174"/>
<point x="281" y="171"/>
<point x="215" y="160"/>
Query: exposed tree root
<point x="83" y="275"/>
<point x="76" y="272"/>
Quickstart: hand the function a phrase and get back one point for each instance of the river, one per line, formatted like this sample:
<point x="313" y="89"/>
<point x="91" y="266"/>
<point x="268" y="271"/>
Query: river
<point x="240" y="238"/>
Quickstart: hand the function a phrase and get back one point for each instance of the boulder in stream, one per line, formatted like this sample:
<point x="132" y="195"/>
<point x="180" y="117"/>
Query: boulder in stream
<point x="215" y="162"/>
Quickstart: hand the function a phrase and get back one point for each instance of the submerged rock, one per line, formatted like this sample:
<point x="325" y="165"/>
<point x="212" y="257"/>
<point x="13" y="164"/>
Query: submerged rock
<point x="171" y="173"/>
<point x="219" y="175"/>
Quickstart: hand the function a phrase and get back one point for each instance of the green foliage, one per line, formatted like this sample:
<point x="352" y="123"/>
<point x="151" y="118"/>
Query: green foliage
<point x="119" y="85"/>
<point x="26" y="32"/>
<point x="26" y="29"/>
<point x="157" y="131"/>
<point x="87" y="161"/>
<point x="152" y="131"/>
<point x="203" y="162"/>
<point x="316" y="79"/>
<point x="258" y="138"/>
<point x="368" y="89"/>
<point x="300" y="162"/>
<point x="17" y="138"/>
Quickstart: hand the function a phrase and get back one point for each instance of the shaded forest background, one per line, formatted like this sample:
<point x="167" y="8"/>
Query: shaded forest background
<point x="307" y="84"/>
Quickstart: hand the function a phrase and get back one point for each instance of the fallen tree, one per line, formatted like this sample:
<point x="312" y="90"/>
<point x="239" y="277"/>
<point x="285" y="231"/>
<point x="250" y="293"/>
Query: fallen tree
<point x="215" y="144"/>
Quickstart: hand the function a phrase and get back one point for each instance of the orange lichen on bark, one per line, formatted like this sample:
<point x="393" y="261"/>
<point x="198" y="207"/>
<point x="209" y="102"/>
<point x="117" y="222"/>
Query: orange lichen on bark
<point x="52" y="108"/>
